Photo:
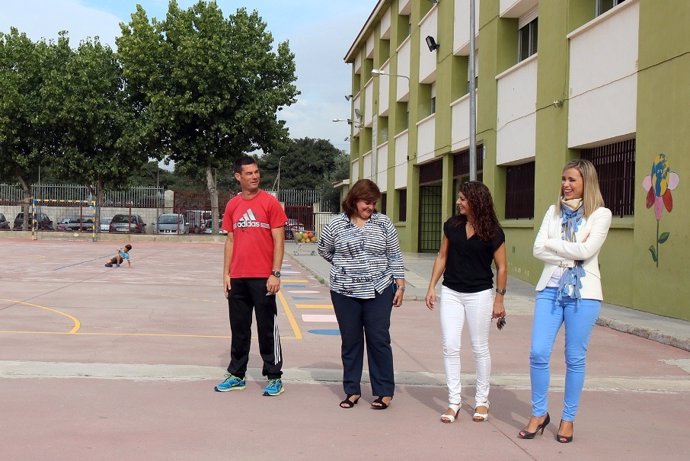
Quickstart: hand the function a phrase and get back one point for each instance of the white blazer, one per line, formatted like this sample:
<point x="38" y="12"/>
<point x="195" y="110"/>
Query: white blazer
<point x="555" y="253"/>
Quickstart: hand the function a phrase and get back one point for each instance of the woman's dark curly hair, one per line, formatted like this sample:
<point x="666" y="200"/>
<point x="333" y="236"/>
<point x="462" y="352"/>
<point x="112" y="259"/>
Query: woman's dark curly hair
<point x="364" y="189"/>
<point x="482" y="209"/>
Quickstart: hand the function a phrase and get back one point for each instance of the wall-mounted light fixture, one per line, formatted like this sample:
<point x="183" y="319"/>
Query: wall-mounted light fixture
<point x="434" y="1"/>
<point x="558" y="103"/>
<point x="431" y="43"/>
<point x="348" y="97"/>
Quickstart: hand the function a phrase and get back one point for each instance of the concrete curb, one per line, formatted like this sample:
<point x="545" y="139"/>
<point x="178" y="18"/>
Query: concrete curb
<point x="646" y="333"/>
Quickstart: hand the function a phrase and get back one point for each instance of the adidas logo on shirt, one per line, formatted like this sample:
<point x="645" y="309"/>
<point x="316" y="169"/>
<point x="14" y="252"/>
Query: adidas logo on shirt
<point x="248" y="219"/>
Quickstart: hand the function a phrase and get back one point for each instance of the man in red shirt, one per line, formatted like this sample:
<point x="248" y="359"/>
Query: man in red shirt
<point x="254" y="221"/>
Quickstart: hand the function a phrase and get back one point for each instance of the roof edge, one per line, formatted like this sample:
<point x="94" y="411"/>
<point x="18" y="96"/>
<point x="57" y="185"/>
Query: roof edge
<point x="349" y="56"/>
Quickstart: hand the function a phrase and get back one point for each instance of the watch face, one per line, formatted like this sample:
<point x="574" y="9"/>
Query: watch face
<point x="276" y="274"/>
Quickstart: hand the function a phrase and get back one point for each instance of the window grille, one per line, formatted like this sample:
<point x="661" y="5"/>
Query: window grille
<point x="615" y="164"/>
<point x="402" y="205"/>
<point x="520" y="191"/>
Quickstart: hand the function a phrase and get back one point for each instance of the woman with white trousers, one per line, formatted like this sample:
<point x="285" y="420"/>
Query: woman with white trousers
<point x="472" y="240"/>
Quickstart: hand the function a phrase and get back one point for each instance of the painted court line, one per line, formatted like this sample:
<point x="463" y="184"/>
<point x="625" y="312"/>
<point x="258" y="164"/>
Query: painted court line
<point x="314" y="306"/>
<point x="303" y="292"/>
<point x="310" y="318"/>
<point x="290" y="316"/>
<point x="75" y="321"/>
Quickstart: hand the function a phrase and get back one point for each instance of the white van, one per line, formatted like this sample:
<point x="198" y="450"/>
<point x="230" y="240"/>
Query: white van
<point x="172" y="223"/>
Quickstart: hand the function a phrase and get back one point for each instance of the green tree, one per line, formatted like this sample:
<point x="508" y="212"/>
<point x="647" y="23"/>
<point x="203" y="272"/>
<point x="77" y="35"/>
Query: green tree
<point x="206" y="89"/>
<point x="306" y="164"/>
<point x="96" y="148"/>
<point x="28" y="132"/>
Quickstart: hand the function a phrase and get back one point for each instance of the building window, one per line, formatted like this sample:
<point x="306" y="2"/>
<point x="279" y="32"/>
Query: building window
<point x="461" y="167"/>
<point x="604" y="5"/>
<point x="382" y="203"/>
<point x="476" y="72"/>
<point x="433" y="98"/>
<point x="402" y="205"/>
<point x="615" y="164"/>
<point x="527" y="39"/>
<point x="520" y="191"/>
<point x="383" y="130"/>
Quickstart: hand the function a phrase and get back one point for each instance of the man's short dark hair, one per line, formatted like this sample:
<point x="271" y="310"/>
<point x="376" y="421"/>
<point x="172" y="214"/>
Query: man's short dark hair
<point x="244" y="160"/>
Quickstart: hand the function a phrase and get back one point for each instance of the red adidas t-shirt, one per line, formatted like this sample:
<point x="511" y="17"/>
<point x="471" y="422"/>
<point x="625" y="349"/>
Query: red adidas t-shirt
<point x="250" y="222"/>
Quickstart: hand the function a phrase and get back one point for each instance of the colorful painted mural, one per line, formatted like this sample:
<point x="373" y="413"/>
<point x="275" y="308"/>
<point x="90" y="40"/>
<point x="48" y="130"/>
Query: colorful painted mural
<point x="659" y="185"/>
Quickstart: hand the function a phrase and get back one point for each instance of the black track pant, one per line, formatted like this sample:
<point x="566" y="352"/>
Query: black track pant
<point x="247" y="295"/>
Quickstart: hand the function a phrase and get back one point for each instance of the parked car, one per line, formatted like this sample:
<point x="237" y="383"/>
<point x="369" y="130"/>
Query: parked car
<point x="43" y="222"/>
<point x="130" y="224"/>
<point x="172" y="223"/>
<point x="291" y="227"/>
<point x="4" y="223"/>
<point x="75" y="224"/>
<point x="104" y="224"/>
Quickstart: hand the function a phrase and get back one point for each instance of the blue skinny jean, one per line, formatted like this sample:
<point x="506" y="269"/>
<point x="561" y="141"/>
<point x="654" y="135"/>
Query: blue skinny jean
<point x="579" y="318"/>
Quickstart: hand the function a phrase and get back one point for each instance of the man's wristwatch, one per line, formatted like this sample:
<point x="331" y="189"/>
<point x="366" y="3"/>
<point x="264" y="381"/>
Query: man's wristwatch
<point x="275" y="274"/>
<point x="501" y="291"/>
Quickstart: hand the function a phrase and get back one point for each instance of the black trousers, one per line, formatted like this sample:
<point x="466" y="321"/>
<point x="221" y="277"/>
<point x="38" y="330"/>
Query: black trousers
<point x="360" y="321"/>
<point x="247" y="295"/>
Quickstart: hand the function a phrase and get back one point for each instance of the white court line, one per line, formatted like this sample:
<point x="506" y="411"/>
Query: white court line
<point x="311" y="318"/>
<point x="303" y="292"/>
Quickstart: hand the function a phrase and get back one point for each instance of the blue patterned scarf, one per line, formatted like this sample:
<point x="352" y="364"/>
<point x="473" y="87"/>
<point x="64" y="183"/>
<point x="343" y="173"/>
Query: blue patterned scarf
<point x="572" y="213"/>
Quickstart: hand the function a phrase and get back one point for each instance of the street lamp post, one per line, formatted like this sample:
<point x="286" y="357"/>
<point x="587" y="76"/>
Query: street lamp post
<point x="380" y="72"/>
<point x="473" y="99"/>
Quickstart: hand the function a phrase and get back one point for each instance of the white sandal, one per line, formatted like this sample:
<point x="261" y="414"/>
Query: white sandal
<point x="481" y="417"/>
<point x="446" y="418"/>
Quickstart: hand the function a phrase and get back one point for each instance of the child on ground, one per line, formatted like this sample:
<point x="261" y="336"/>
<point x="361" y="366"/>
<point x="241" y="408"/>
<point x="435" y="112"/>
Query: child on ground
<point x="120" y="257"/>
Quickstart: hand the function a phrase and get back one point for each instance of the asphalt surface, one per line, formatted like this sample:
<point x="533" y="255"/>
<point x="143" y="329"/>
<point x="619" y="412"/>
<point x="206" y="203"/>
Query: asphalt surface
<point x="114" y="364"/>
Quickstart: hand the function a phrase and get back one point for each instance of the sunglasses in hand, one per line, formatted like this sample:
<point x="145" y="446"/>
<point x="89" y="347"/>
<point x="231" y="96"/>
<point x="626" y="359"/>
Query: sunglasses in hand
<point x="501" y="323"/>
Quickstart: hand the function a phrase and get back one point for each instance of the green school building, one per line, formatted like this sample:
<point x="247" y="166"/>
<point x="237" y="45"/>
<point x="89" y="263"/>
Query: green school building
<point x="606" y="80"/>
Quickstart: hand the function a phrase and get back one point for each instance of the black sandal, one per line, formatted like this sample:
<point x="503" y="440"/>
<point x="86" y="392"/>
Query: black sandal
<point x="347" y="403"/>
<point x="379" y="404"/>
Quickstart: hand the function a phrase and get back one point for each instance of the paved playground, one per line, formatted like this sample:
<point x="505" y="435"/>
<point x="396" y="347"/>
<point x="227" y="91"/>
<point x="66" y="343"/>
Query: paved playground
<point x="104" y="363"/>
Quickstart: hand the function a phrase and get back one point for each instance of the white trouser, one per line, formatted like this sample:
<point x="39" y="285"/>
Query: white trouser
<point x="476" y="308"/>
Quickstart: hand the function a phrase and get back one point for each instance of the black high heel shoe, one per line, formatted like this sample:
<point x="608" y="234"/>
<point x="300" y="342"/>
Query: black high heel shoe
<point x="562" y="438"/>
<point x="523" y="434"/>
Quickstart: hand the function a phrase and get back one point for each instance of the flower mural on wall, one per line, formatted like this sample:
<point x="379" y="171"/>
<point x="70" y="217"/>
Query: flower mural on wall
<point x="659" y="185"/>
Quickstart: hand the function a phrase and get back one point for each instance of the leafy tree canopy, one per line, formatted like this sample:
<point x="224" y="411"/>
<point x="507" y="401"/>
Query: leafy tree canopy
<point x="206" y="88"/>
<point x="306" y="164"/>
<point x="28" y="132"/>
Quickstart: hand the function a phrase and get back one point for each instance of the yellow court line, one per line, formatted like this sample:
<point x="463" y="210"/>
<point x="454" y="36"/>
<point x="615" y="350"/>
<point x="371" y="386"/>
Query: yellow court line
<point x="314" y="306"/>
<point x="295" y="280"/>
<point x="290" y="316"/>
<point x="159" y="335"/>
<point x="75" y="321"/>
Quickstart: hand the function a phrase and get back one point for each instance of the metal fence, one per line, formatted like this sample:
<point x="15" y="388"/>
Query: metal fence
<point x="306" y="209"/>
<point x="66" y="194"/>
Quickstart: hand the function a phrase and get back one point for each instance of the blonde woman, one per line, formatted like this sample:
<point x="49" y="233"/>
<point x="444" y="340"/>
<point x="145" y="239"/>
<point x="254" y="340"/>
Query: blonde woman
<point x="568" y="292"/>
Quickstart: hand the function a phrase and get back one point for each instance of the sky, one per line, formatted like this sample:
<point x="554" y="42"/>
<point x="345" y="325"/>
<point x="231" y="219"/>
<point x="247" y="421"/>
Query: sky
<point x="320" y="33"/>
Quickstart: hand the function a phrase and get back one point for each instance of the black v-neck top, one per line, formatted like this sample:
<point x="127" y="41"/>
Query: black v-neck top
<point x="468" y="265"/>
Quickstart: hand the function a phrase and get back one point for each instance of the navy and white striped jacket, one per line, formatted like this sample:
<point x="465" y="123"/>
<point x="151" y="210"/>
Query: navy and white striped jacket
<point x="364" y="261"/>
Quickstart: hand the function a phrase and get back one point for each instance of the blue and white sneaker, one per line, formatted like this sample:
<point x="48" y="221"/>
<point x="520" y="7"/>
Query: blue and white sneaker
<point x="274" y="387"/>
<point x="231" y="383"/>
